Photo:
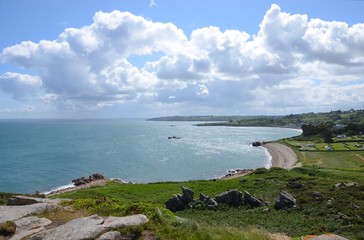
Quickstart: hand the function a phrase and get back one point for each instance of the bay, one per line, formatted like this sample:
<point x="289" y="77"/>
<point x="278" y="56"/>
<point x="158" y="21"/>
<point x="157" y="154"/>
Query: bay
<point x="40" y="155"/>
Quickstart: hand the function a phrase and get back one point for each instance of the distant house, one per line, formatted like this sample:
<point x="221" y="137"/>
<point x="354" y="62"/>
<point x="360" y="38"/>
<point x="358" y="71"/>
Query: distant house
<point x="310" y="145"/>
<point x="341" y="136"/>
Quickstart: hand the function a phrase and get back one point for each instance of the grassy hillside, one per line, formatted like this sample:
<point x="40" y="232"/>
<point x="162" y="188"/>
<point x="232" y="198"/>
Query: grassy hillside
<point x="340" y="210"/>
<point x="297" y="120"/>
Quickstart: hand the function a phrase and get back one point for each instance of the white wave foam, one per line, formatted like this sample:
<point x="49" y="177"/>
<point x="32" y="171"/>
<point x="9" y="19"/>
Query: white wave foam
<point x="71" y="185"/>
<point x="269" y="165"/>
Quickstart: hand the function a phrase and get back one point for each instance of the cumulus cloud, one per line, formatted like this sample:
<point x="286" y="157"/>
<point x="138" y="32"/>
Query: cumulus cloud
<point x="19" y="85"/>
<point x="292" y="62"/>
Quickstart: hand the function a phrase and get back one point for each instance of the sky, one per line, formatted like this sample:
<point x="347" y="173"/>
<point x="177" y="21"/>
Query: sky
<point x="150" y="58"/>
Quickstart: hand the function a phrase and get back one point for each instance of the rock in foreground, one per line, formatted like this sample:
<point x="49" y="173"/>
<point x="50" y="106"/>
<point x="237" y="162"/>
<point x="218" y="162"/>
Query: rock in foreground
<point x="89" y="227"/>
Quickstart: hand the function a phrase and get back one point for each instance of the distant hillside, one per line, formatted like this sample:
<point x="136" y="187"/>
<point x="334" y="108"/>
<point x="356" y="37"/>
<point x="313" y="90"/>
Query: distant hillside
<point x="202" y="118"/>
<point x="293" y="120"/>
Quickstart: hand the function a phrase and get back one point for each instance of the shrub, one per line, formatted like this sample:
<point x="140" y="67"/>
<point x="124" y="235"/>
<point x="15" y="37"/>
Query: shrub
<point x="7" y="228"/>
<point x="261" y="171"/>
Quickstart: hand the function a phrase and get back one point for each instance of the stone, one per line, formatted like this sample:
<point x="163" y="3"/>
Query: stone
<point x="112" y="235"/>
<point x="252" y="201"/>
<point x="13" y="213"/>
<point x="285" y="201"/>
<point x="28" y="226"/>
<point x="211" y="203"/>
<point x="203" y="197"/>
<point x="77" y="229"/>
<point x="295" y="185"/>
<point x="25" y="200"/>
<point x="187" y="195"/>
<point x="7" y="228"/>
<point x="208" y="201"/>
<point x="175" y="203"/>
<point x="89" y="227"/>
<point x="134" y="220"/>
<point x="317" y="196"/>
<point x="21" y="200"/>
<point x="180" y="202"/>
<point x="96" y="176"/>
<point x="84" y="180"/>
<point x="346" y="184"/>
<point x="327" y="236"/>
<point x="266" y="210"/>
<point x="233" y="198"/>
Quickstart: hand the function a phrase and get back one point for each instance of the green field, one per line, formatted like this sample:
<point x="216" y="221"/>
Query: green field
<point x="349" y="144"/>
<point x="353" y="160"/>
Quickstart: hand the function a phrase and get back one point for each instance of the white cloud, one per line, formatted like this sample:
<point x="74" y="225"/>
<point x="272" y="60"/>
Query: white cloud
<point x="152" y="3"/>
<point x="292" y="62"/>
<point x="19" y="85"/>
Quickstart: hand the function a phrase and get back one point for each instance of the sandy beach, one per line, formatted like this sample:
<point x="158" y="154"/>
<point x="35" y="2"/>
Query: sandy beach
<point x="282" y="156"/>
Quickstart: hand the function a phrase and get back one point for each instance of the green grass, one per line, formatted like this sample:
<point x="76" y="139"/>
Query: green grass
<point x="320" y="145"/>
<point x="353" y="160"/>
<point x="310" y="217"/>
<point x="5" y="196"/>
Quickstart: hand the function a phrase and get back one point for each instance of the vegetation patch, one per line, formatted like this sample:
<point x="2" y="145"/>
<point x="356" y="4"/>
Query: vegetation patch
<point x="7" y="228"/>
<point x="321" y="207"/>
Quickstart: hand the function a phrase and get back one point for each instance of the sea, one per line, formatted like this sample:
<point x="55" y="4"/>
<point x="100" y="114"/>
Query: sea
<point x="44" y="155"/>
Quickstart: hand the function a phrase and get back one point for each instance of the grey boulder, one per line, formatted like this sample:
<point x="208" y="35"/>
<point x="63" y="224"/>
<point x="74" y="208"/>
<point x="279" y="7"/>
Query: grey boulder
<point x="13" y="213"/>
<point x="233" y="198"/>
<point x="89" y="227"/>
<point x="285" y="201"/>
<point x="252" y="201"/>
<point x="28" y="226"/>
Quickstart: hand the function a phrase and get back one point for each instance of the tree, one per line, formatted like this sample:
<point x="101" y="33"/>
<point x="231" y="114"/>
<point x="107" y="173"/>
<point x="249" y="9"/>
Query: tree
<point x="327" y="135"/>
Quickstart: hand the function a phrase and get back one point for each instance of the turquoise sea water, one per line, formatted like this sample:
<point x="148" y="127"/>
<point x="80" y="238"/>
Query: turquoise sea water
<point x="40" y="155"/>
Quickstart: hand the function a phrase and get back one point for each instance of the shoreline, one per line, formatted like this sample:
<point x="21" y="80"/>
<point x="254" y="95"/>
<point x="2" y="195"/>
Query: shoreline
<point x="280" y="156"/>
<point x="101" y="182"/>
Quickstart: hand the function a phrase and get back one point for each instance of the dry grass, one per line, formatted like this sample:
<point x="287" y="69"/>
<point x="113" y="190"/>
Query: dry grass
<point x="63" y="215"/>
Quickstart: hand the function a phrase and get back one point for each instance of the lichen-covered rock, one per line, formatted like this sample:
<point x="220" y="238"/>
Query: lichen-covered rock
<point x="134" y="220"/>
<point x="346" y="184"/>
<point x="112" y="235"/>
<point x="25" y="200"/>
<point x="89" y="227"/>
<point x="13" y="213"/>
<point x="327" y="236"/>
<point x="28" y="226"/>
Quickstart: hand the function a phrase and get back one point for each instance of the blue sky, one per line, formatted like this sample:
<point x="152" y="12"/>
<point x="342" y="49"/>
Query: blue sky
<point x="91" y="59"/>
